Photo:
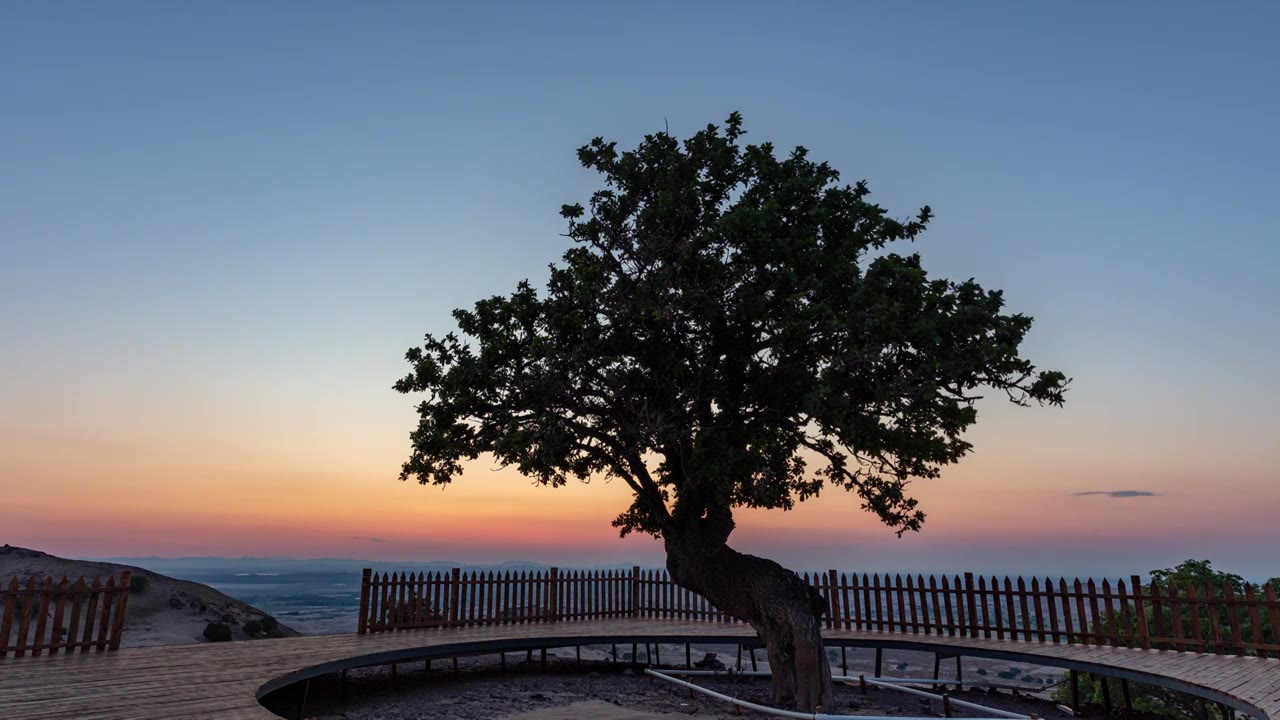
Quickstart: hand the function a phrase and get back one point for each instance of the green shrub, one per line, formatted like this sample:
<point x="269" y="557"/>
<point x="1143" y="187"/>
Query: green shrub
<point x="217" y="632"/>
<point x="982" y="672"/>
<point x="270" y="625"/>
<point x="1155" y="700"/>
<point x="139" y="583"/>
<point x="253" y="627"/>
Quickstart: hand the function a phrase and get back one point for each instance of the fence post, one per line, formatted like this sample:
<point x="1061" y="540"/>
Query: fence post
<point x="553" y="595"/>
<point x="834" y="600"/>
<point x="972" y="604"/>
<point x="1144" y="634"/>
<point x="362" y="624"/>
<point x="635" y="591"/>
<point x="122" y="600"/>
<point x="455" y="585"/>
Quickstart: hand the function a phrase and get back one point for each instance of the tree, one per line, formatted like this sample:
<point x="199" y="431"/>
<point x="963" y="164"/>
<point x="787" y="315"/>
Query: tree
<point x="729" y="329"/>
<point x="1207" y="583"/>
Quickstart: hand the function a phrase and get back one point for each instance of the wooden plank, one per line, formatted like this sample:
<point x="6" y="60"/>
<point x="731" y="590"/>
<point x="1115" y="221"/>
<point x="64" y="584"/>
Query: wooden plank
<point x="1233" y="616"/>
<point x="946" y="603"/>
<point x="875" y="590"/>
<point x="6" y="616"/>
<point x="45" y="596"/>
<point x="913" y="600"/>
<point x="1011" y="620"/>
<point x="1140" y="613"/>
<point x="899" y="588"/>
<point x="1175" y="614"/>
<point x="1095" y="620"/>
<point x="1215" y="623"/>
<point x="996" y="607"/>
<point x="90" y="615"/>
<point x="1126" y="615"/>
<point x="60" y="605"/>
<point x="362" y="619"/>
<point x="1022" y="605"/>
<point x="117" y="621"/>
<point x="1109" y="614"/>
<point x="1052" y="606"/>
<point x="850" y="614"/>
<point x="1035" y="595"/>
<point x="938" y="619"/>
<point x="24" y="621"/>
<point x="970" y="591"/>
<point x="1194" y="612"/>
<point x="1064" y="597"/>
<point x="887" y="591"/>
<point x="134" y="704"/>
<point x="1273" y="611"/>
<point x="1082" y="618"/>
<point x="868" y="607"/>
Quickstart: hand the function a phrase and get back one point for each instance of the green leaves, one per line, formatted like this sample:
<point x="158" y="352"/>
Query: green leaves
<point x="721" y="335"/>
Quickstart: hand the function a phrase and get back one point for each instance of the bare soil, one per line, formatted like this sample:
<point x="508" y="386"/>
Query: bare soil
<point x="597" y="688"/>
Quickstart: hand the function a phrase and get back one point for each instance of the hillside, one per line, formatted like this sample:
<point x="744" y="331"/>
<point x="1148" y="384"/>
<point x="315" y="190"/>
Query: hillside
<point x="164" y="611"/>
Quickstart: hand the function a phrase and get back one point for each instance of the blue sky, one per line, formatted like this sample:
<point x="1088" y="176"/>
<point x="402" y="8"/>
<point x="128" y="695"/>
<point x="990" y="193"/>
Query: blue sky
<point x="222" y="223"/>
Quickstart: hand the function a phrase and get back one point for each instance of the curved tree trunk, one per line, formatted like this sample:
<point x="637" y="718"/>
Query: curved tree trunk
<point x="785" y="611"/>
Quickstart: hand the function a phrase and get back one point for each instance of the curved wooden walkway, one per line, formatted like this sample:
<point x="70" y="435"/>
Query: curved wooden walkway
<point x="224" y="680"/>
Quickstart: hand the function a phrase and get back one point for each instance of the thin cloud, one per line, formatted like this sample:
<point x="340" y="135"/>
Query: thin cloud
<point x="1120" y="493"/>
<point x="369" y="539"/>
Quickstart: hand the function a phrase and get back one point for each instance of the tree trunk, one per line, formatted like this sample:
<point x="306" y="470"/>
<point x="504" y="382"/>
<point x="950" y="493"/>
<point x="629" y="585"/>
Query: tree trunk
<point x="785" y="611"/>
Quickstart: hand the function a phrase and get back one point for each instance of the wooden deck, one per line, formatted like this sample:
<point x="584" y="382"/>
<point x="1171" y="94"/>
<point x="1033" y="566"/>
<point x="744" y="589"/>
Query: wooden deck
<point x="224" y="680"/>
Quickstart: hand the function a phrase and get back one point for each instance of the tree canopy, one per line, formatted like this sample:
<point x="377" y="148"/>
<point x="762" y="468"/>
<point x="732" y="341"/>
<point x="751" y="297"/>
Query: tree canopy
<point x="730" y="328"/>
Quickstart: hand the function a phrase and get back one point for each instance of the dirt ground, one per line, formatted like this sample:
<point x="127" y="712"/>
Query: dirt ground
<point x="598" y="688"/>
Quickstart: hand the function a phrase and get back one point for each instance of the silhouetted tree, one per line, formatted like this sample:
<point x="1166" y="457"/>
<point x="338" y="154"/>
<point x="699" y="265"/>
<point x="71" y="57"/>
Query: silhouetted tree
<point x="729" y="330"/>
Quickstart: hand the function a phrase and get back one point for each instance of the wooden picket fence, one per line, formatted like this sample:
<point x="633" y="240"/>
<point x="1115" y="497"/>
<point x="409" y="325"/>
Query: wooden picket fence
<point x="45" y="617"/>
<point x="1210" y="619"/>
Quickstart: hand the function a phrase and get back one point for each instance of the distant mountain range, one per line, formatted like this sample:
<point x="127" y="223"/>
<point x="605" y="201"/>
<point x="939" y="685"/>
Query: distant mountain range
<point x="290" y="564"/>
<point x="162" y="610"/>
<point x="324" y="564"/>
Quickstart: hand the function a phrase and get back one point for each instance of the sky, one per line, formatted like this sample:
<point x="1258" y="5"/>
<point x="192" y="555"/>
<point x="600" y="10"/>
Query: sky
<point x="223" y="223"/>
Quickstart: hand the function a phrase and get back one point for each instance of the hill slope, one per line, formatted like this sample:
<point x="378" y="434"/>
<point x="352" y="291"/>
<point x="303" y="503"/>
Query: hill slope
<point x="167" y="611"/>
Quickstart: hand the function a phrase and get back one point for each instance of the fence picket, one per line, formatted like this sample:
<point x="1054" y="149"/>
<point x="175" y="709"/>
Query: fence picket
<point x="1176" y="616"/>
<point x="1035" y="596"/>
<point x="44" y="595"/>
<point x="1109" y="613"/>
<point x="1126" y="619"/>
<point x="1233" y="616"/>
<point x="1255" y="619"/>
<point x="1091" y="612"/>
<point x="1273" y="610"/>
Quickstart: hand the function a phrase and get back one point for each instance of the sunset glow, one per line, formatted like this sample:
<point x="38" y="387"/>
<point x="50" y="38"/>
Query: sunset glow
<point x="205" y="303"/>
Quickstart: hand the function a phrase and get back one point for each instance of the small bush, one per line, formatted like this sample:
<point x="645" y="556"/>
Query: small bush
<point x="139" y="583"/>
<point x="217" y="632"/>
<point x="1008" y="674"/>
<point x="176" y="603"/>
<point x="228" y="618"/>
<point x="253" y="627"/>
<point x="982" y="671"/>
<point x="270" y="625"/>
